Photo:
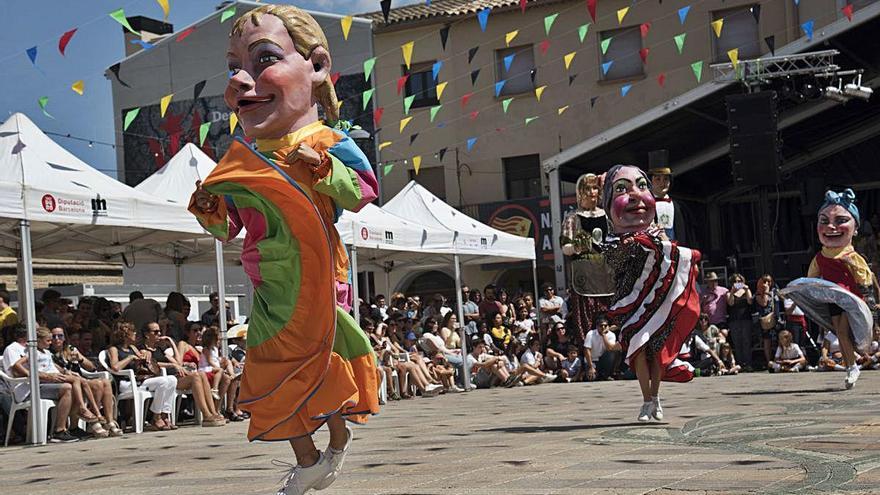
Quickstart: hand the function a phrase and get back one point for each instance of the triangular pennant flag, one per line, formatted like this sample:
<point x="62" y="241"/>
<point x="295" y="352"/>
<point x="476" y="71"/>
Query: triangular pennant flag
<point x="366" y="97"/>
<point x="568" y="58"/>
<point x="510" y="37"/>
<point x="591" y="6"/>
<point x="43" y="101"/>
<point x="508" y="60"/>
<point x="407" y="102"/>
<point x="499" y="86"/>
<point x="227" y="14"/>
<point x="506" y="103"/>
<point x="661" y="79"/>
<point x="78" y="87"/>
<point x="733" y="55"/>
<point x="848" y="11"/>
<point x="621" y="14"/>
<point x="233" y="121"/>
<point x="403" y="122"/>
<point x="472" y="52"/>
<point x="444" y="36"/>
<point x="808" y="29"/>
<point x="571" y="78"/>
<point x="522" y="5"/>
<point x="717" y="25"/>
<point x="143" y="44"/>
<point x="384" y="145"/>
<point x="606" y="66"/>
<point x="115" y="70"/>
<point x="345" y="22"/>
<point x="119" y="16"/>
<point x="441" y="154"/>
<point x="65" y="39"/>
<point x="625" y="89"/>
<point x="203" y="132"/>
<point x="470" y="143"/>
<point x="129" y="117"/>
<point x="440" y="88"/>
<point x="643" y="53"/>
<point x="32" y="54"/>
<point x="434" y="111"/>
<point x="465" y="99"/>
<point x="683" y="13"/>
<point x="582" y="31"/>
<point x="197" y="90"/>
<point x="544" y="46"/>
<point x="474" y="114"/>
<point x="593" y="101"/>
<point x="540" y="91"/>
<point x="531" y="119"/>
<point x="679" y="41"/>
<point x="412" y="138"/>
<point x="756" y="12"/>
<point x="561" y="110"/>
<point x="407" y="49"/>
<point x="368" y="67"/>
<point x="401" y="82"/>
<point x="604" y="44"/>
<point x="165" y="101"/>
<point x="386" y="9"/>
<point x="377" y="116"/>
<point x="435" y="69"/>
<point x="387" y="169"/>
<point x="644" y="28"/>
<point x="483" y="18"/>
<point x="697" y="67"/>
<point x="771" y="44"/>
<point x="548" y="22"/>
<point x="166" y="9"/>
<point x="417" y="162"/>
<point x="474" y="75"/>
<point x="183" y="34"/>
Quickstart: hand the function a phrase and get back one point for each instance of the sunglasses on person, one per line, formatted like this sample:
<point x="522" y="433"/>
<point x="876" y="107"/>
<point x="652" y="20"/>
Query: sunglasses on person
<point x="58" y="337"/>
<point x="154" y="331"/>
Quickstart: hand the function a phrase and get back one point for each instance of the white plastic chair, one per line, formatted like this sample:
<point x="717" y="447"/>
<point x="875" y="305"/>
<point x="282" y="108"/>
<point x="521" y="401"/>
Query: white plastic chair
<point x="16" y="405"/>
<point x="138" y="396"/>
<point x="383" y="387"/>
<point x="179" y="395"/>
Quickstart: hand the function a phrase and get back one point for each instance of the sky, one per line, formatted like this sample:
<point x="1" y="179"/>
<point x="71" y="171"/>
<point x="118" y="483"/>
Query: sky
<point x="97" y="44"/>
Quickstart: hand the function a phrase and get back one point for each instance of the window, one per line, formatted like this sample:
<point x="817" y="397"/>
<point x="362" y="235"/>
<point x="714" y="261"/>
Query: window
<point x="518" y="79"/>
<point x="623" y="52"/>
<point x="421" y="84"/>
<point x="522" y="176"/>
<point x="740" y="30"/>
<point x="433" y="179"/>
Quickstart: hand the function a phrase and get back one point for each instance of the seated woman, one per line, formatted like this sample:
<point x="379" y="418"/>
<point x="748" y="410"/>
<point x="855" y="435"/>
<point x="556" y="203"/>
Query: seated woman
<point x="728" y="360"/>
<point x="164" y="354"/>
<point x="221" y="368"/>
<point x="123" y="355"/>
<point x="407" y="365"/>
<point x="449" y="332"/>
<point x="382" y="347"/>
<point x="531" y="364"/>
<point x="832" y="357"/>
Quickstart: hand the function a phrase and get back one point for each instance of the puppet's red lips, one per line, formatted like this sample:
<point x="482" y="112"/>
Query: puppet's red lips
<point x="247" y="104"/>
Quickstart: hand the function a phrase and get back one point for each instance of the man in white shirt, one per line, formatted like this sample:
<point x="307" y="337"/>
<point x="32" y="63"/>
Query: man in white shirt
<point x="696" y="351"/>
<point x="550" y="304"/>
<point x="531" y="362"/>
<point x="601" y="351"/>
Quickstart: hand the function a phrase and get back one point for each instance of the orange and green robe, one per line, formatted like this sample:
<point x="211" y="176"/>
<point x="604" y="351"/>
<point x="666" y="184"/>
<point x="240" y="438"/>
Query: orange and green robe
<point x="307" y="358"/>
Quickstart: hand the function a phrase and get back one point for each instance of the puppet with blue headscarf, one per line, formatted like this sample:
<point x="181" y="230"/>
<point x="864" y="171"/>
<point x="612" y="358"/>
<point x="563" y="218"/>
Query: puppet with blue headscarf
<point x="839" y="290"/>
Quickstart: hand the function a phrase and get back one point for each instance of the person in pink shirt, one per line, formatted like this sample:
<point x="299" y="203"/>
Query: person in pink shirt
<point x="713" y="301"/>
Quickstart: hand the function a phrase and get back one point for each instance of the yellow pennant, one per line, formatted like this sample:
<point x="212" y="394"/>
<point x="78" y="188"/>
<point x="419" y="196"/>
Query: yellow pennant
<point x="540" y="91"/>
<point x="733" y="55"/>
<point x="717" y="25"/>
<point x="403" y="123"/>
<point x="417" y="162"/>
<point x="163" y="104"/>
<point x="384" y="145"/>
<point x="568" y="58"/>
<point x="233" y="121"/>
<point x="165" y="7"/>
<point x="407" y="49"/>
<point x="346" y="26"/>
<point x="440" y="88"/>
<point x="78" y="87"/>
<point x="561" y="110"/>
<point x="510" y="36"/>
<point x="621" y="14"/>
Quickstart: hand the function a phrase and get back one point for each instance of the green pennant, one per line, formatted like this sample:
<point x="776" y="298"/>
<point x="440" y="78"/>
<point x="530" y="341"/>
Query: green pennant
<point x="506" y="103"/>
<point x="129" y="117"/>
<point x="368" y="67"/>
<point x="227" y="14"/>
<point x="530" y="119"/>
<point x="548" y="22"/>
<point x="387" y="169"/>
<point x="203" y="132"/>
<point x="434" y="111"/>
<point x="119" y="16"/>
<point x="368" y="94"/>
<point x="697" y="67"/>
<point x="582" y="31"/>
<point x="605" y="44"/>
<point x="407" y="102"/>
<point x="679" y="42"/>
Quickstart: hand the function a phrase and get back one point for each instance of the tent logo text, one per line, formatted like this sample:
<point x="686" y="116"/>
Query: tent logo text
<point x="389" y="237"/>
<point x="365" y="234"/>
<point x="99" y="206"/>
<point x="49" y="203"/>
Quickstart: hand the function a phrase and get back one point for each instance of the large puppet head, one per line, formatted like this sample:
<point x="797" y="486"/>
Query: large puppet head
<point x="588" y="188"/>
<point x="838" y="219"/>
<point x="627" y="199"/>
<point x="279" y="63"/>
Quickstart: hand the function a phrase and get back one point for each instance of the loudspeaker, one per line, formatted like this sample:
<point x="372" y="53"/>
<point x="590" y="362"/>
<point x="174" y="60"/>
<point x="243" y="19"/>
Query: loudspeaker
<point x="755" y="148"/>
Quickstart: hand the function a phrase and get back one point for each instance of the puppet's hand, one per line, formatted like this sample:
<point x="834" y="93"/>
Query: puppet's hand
<point x="205" y="201"/>
<point x="305" y="153"/>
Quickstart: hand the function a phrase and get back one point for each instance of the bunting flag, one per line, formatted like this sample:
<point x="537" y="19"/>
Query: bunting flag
<point x="643" y="53"/>
<point x="606" y="66"/>
<point x="548" y="22"/>
<point x="435" y="69"/>
<point x="129" y="117"/>
<point x="65" y="39"/>
<point x="119" y="16"/>
<point x="471" y="142"/>
<point x="697" y="67"/>
<point x="499" y="86"/>
<point x="407" y="49"/>
<point x="345" y="22"/>
<point x="412" y="138"/>
<point x="756" y="12"/>
<point x="387" y="169"/>
<point x="401" y="82"/>
<point x="510" y="37"/>
<point x="407" y="102"/>
<point x="717" y="25"/>
<point x="78" y="87"/>
<point x="733" y="55"/>
<point x="444" y="36"/>
<point x="540" y="91"/>
<point x="145" y="45"/>
<point x="474" y="114"/>
<point x="377" y="116"/>
<point x="165" y="101"/>
<point x="203" y="132"/>
<point x="848" y="11"/>
<point x="771" y="44"/>
<point x="233" y="121"/>
<point x="582" y="31"/>
<point x="621" y="14"/>
<point x="197" y="90"/>
<point x="679" y="41"/>
<point x="183" y="34"/>
<point x="483" y="18"/>
<point x="571" y="79"/>
<point x="529" y="120"/>
<point x="386" y="9"/>
<point x="472" y="52"/>
<point x="441" y="154"/>
<point x="474" y="75"/>
<point x="544" y="46"/>
<point x="808" y="29"/>
<point x="661" y="79"/>
<point x="434" y="111"/>
<point x="403" y="122"/>
<point x="625" y="89"/>
<point x="604" y="44"/>
<point x="683" y="13"/>
<point x="166" y="9"/>
<point x="508" y="60"/>
<point x="593" y="101"/>
<point x="366" y="97"/>
<point x="384" y="145"/>
<point x="465" y="99"/>
<point x="506" y="104"/>
<point x="32" y="55"/>
<point x="561" y="110"/>
<point x="568" y="58"/>
<point x="43" y="101"/>
<point x="591" y="6"/>
<point x="368" y="67"/>
<point x="227" y="14"/>
<point x="522" y="5"/>
<point x="644" y="28"/>
<point x="440" y="88"/>
<point x="115" y="70"/>
<point x="417" y="162"/>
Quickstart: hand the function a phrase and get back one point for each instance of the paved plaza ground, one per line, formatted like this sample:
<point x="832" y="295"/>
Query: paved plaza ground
<point x="754" y="433"/>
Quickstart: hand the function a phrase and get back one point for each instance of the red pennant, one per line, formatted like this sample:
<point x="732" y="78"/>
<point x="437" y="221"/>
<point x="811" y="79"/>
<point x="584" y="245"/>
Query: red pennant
<point x="645" y="28"/>
<point x="522" y="5"/>
<point x="474" y="114"/>
<point x="465" y="99"/>
<point x="544" y="46"/>
<point x="377" y="116"/>
<point x="848" y="11"/>
<point x="334" y="78"/>
<point x="183" y="34"/>
<point x="65" y="39"/>
<point x="644" y="54"/>
<point x="661" y="79"/>
<point x="591" y="6"/>
<point x="401" y="82"/>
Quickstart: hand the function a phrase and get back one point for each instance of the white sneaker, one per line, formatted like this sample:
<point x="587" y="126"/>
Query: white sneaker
<point x="300" y="480"/>
<point x="645" y="412"/>
<point x="335" y="458"/>
<point x="852" y="374"/>
<point x="656" y="409"/>
<point x="548" y="378"/>
<point x="432" y="390"/>
<point x="455" y="389"/>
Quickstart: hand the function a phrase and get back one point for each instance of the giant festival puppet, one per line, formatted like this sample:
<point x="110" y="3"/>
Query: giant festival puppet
<point x="308" y="362"/>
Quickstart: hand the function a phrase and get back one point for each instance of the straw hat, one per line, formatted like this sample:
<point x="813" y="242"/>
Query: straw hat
<point x="711" y="276"/>
<point x="237" y="332"/>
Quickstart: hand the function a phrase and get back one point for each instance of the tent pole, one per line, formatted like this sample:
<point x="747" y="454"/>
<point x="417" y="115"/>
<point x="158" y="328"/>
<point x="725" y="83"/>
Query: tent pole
<point x="177" y="282"/>
<point x="26" y="296"/>
<point x="556" y="225"/>
<point x="464" y="343"/>
<point x="354" y="284"/>
<point x="535" y="296"/>
<point x="221" y="292"/>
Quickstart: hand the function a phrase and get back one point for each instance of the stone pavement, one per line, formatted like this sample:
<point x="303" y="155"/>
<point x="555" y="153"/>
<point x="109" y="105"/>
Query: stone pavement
<point x="754" y="433"/>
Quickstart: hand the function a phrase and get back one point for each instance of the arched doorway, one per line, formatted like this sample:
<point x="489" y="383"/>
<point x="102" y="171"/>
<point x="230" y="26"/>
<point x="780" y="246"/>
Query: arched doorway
<point x="426" y="284"/>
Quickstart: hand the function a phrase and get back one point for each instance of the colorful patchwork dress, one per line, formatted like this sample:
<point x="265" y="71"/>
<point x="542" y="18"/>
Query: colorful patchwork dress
<point x="307" y="358"/>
